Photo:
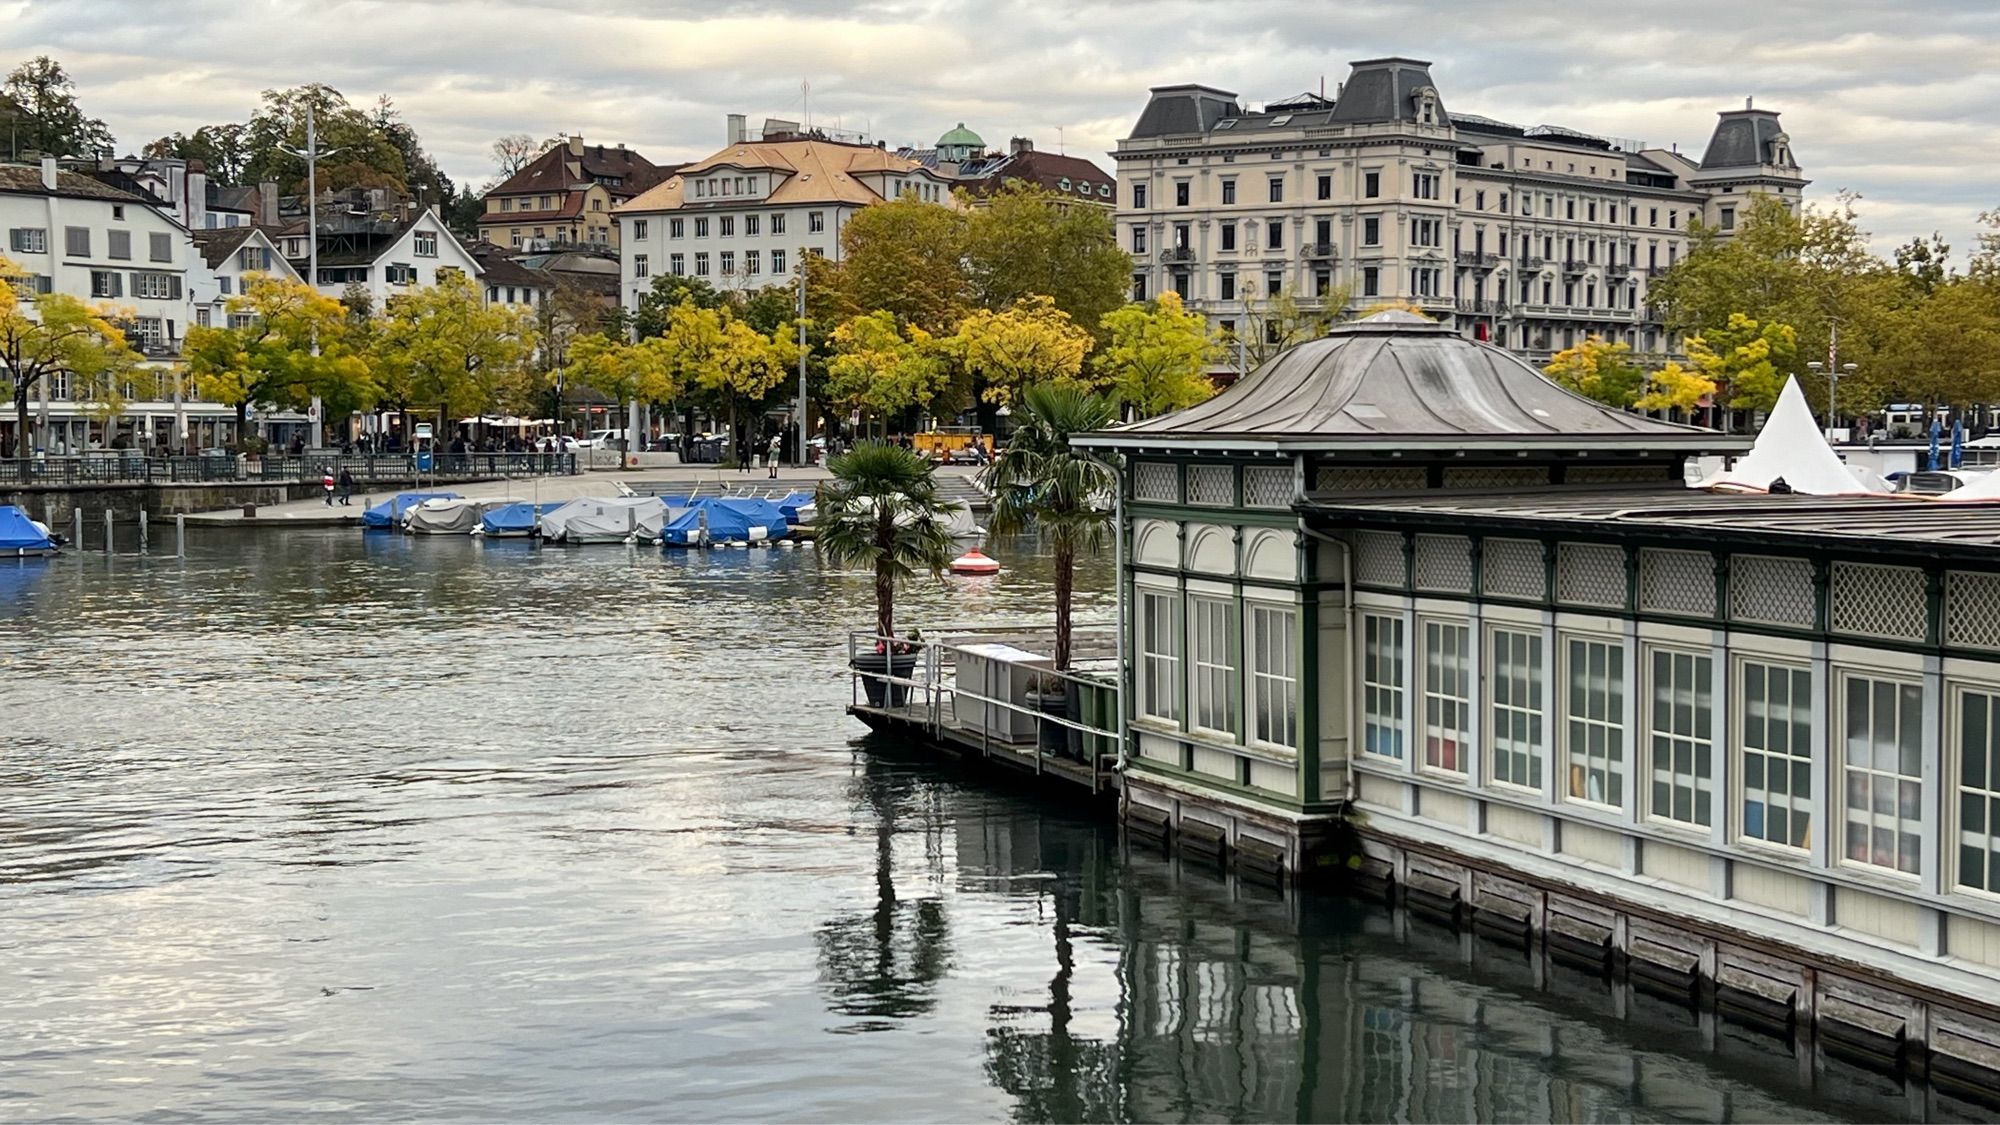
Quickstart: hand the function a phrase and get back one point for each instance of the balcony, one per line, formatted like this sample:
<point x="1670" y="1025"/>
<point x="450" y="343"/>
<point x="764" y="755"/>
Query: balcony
<point x="1319" y="250"/>
<point x="1477" y="260"/>
<point x="1181" y="254"/>
<point x="1657" y="271"/>
<point x="1531" y="264"/>
<point x="1573" y="267"/>
<point x="1482" y="306"/>
<point x="1618" y="269"/>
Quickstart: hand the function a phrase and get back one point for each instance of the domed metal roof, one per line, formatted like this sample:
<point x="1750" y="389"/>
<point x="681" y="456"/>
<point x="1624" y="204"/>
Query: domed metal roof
<point x="1399" y="381"/>
<point x="961" y="137"/>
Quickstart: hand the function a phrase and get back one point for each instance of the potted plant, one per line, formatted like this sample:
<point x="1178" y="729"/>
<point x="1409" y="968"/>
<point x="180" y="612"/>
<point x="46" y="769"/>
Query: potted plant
<point x="1065" y="493"/>
<point x="1049" y="695"/>
<point x="882" y="511"/>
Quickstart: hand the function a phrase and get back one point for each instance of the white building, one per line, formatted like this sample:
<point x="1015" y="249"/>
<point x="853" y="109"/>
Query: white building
<point x="74" y="234"/>
<point x="741" y="218"/>
<point x="231" y="254"/>
<point x="385" y="255"/>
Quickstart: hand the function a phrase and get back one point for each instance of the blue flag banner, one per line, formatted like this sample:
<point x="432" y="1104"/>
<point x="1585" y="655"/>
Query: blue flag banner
<point x="1937" y="431"/>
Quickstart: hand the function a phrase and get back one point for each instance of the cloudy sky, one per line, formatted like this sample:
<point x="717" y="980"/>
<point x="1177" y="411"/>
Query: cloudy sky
<point x="1894" y="101"/>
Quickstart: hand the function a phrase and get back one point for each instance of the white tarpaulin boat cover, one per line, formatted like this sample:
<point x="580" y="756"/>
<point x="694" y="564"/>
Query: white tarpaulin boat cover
<point x="1985" y="488"/>
<point x="606" y="520"/>
<point x="449" y="517"/>
<point x="1790" y="447"/>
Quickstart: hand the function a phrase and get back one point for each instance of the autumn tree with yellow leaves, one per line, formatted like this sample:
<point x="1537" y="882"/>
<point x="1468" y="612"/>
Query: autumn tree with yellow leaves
<point x="51" y="336"/>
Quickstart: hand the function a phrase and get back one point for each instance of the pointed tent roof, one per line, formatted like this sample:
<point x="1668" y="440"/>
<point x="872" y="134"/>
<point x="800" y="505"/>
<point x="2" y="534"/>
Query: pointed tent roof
<point x="1401" y="382"/>
<point x="1791" y="447"/>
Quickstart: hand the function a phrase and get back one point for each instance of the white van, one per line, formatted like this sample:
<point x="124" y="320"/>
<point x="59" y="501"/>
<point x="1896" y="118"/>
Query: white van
<point x="603" y="439"/>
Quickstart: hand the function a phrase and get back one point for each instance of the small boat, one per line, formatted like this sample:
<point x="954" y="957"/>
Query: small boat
<point x="22" y="536"/>
<point x="725" y="521"/>
<point x="388" y="515"/>
<point x="613" y="519"/>
<point x="457" y="516"/>
<point x="516" y="520"/>
<point x="975" y="562"/>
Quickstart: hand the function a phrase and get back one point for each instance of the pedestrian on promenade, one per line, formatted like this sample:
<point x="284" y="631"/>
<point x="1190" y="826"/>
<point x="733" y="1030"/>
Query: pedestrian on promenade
<point x="774" y="457"/>
<point x="326" y="483"/>
<point x="346" y="487"/>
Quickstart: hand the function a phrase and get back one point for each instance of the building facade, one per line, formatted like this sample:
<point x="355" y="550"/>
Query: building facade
<point x="232" y="255"/>
<point x="1533" y="238"/>
<point x="963" y="156"/>
<point x="383" y="252"/>
<point x="565" y="196"/>
<point x="741" y="219"/>
<point x="1397" y="584"/>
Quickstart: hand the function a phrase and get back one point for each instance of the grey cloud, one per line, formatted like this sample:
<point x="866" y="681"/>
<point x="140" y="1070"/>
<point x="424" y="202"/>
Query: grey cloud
<point x="1890" y="101"/>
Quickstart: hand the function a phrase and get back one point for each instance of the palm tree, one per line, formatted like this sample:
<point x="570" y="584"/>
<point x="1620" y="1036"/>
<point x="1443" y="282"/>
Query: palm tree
<point x="1065" y="492"/>
<point x="882" y="510"/>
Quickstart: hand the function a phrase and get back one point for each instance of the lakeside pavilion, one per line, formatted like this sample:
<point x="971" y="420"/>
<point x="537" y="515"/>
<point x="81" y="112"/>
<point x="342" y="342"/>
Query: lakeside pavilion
<point x="1396" y="583"/>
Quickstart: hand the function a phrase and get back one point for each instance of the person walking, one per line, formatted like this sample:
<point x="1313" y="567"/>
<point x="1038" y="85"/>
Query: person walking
<point x="346" y="488"/>
<point x="774" y="457"/>
<point x="326" y="484"/>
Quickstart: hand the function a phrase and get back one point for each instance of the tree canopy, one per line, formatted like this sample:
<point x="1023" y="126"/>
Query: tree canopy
<point x="1156" y="356"/>
<point x="268" y="359"/>
<point x="39" y="100"/>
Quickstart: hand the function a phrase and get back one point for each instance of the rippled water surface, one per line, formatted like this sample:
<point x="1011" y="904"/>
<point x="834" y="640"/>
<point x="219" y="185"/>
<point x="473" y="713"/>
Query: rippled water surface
<point x="312" y="825"/>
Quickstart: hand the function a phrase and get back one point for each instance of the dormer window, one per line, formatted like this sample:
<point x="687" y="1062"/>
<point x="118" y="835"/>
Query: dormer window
<point x="1426" y="98"/>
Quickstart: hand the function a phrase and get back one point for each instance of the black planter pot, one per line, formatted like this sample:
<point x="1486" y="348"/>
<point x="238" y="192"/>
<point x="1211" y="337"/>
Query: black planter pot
<point x="873" y="666"/>
<point x="1054" y="736"/>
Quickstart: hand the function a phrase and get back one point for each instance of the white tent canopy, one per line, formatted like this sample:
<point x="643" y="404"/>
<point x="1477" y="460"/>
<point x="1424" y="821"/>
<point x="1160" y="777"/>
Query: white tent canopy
<point x="1790" y="447"/>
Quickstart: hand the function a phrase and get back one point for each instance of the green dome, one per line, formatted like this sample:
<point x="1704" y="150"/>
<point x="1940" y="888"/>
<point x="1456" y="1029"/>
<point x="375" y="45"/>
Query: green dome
<point x="961" y="137"/>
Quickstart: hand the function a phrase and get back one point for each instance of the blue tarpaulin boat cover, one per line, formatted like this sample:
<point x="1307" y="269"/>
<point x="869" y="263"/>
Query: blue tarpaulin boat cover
<point x="20" y="535"/>
<point x="729" y="519"/>
<point x="514" y="519"/>
<point x="791" y="504"/>
<point x="389" y="513"/>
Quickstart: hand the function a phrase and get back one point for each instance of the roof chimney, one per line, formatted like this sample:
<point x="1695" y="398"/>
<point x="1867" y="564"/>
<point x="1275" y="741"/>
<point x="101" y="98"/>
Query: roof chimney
<point x="739" y="129"/>
<point x="49" y="172"/>
<point x="1749" y="103"/>
<point x="267" y="203"/>
<point x="576" y="146"/>
<point x="1019" y="145"/>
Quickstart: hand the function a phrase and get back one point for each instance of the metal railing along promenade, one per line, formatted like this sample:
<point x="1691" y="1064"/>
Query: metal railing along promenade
<point x="136" y="468"/>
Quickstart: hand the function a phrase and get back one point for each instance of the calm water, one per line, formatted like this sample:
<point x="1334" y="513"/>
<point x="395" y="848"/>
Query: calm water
<point x="318" y="826"/>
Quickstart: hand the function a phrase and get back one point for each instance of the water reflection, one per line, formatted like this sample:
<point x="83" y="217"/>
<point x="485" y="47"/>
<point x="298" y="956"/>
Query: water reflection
<point x="324" y="826"/>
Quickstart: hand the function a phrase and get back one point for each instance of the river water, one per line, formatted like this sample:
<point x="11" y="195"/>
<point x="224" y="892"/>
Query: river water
<point x="316" y="825"/>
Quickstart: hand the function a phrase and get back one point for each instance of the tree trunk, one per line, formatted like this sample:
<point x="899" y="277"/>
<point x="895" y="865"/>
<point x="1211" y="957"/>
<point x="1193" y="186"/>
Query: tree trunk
<point x="22" y="446"/>
<point x="242" y="423"/>
<point x="1065" y="582"/>
<point x="885" y="581"/>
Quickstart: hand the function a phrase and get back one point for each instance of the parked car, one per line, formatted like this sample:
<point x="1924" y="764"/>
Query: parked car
<point x="603" y="439"/>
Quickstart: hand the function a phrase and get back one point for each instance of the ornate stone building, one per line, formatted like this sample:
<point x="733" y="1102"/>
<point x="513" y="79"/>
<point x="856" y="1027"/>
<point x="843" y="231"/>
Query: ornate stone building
<point x="1531" y="237"/>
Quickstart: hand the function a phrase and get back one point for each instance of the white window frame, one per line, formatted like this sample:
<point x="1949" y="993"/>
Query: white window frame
<point x="641" y="267"/>
<point x="1875" y="778"/>
<point x="1271" y="679"/>
<point x="1755" y="739"/>
<point x="1611" y="722"/>
<point x="1383" y="697"/>
<point x="1986" y="832"/>
<point x="29" y="240"/>
<point x="1447" y="691"/>
<point x="1517" y="708"/>
<point x="815" y="222"/>
<point x="1687" y="737"/>
<point x="1211" y="690"/>
<point x="677" y="264"/>
<point x="1159" y="653"/>
<point x="778" y="262"/>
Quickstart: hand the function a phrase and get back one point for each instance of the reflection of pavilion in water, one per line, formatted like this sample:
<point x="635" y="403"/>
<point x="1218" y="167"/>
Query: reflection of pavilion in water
<point x="1235" y="1003"/>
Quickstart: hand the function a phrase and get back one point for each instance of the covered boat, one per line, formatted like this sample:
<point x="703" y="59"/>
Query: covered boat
<point x="21" y="536"/>
<point x="605" y="520"/>
<point x="450" y="517"/>
<point x="513" y="518"/>
<point x="799" y="507"/>
<point x="725" y="519"/>
<point x="388" y="515"/>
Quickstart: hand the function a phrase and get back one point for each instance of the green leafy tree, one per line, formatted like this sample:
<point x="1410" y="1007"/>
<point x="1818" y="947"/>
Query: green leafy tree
<point x="643" y="371"/>
<point x="1945" y="349"/>
<point x="907" y="257"/>
<point x="1063" y="492"/>
<point x="882" y="511"/>
<point x="1747" y="360"/>
<point x="366" y="156"/>
<point x="1277" y="321"/>
<point x="667" y="294"/>
<point x="1025" y="240"/>
<point x="57" y="336"/>
<point x="443" y="347"/>
<point x="219" y="147"/>
<point x="1598" y="369"/>
<point x="269" y="359"/>
<point x="1924" y="263"/>
<point x="45" y="117"/>
<point x="1156" y="356"/>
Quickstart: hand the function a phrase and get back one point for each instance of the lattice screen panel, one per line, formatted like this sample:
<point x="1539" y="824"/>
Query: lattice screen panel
<point x="1590" y="574"/>
<point x="1156" y="480"/>
<point x="1771" y="591"/>
<point x="1680" y="582"/>
<point x="1267" y="486"/>
<point x="1212" y="486"/>
<point x="1972" y="609"/>
<point x="1444" y="563"/>
<point x="1378" y="558"/>
<point x="1512" y="568"/>
<point x="1495" y="476"/>
<point x="1384" y="478"/>
<point x="1877" y="601"/>
<point x="1618" y="474"/>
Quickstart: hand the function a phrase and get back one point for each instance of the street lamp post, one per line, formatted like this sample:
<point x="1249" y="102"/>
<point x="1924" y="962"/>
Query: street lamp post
<point x="804" y="456"/>
<point x="1815" y="366"/>
<point x="311" y="154"/>
<point x="1833" y="388"/>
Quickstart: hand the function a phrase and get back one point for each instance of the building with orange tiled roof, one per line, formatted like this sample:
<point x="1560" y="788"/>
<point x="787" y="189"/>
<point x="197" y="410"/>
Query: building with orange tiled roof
<point x="741" y="218"/>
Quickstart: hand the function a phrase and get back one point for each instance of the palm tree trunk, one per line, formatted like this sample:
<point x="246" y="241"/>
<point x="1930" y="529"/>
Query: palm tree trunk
<point x="885" y="579"/>
<point x="242" y="423"/>
<point x="1065" y="582"/>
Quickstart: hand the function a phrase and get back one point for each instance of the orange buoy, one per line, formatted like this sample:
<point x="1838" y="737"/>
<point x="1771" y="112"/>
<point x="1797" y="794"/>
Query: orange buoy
<point x="974" y="562"/>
